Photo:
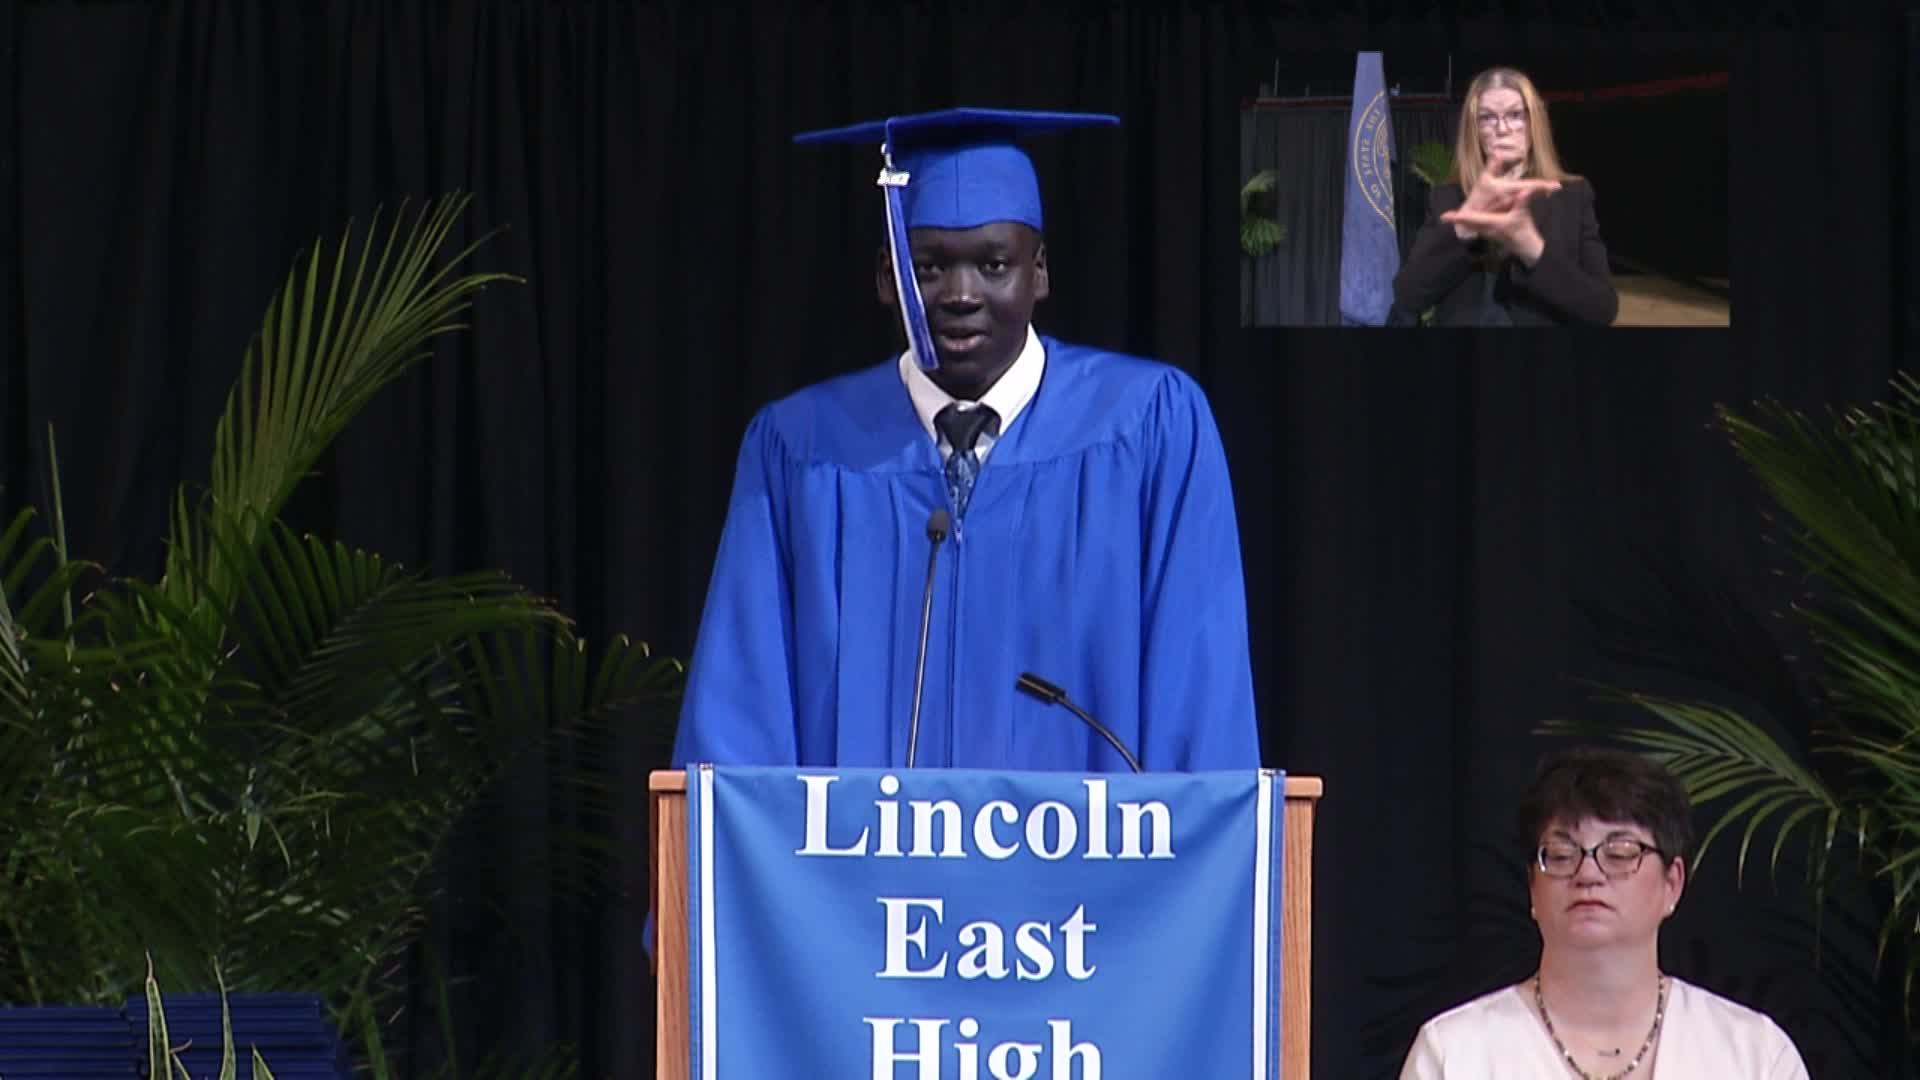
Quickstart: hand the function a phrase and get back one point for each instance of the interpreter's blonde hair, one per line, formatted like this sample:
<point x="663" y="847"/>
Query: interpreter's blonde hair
<point x="1543" y="161"/>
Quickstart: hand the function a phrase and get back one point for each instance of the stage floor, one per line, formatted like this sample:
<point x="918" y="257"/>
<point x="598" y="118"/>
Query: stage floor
<point x="1648" y="300"/>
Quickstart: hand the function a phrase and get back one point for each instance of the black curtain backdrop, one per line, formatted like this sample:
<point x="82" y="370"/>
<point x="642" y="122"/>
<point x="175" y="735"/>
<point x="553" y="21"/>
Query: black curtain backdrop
<point x="1660" y="173"/>
<point x="1298" y="283"/>
<point x="1446" y="534"/>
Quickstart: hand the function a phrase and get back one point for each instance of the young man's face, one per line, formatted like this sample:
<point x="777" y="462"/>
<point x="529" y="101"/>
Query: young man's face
<point x="979" y="286"/>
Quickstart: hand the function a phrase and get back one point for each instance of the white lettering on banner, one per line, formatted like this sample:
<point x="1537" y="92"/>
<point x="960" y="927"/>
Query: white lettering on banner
<point x="899" y="937"/>
<point x="1065" y="1050"/>
<point x="816" y="836"/>
<point x="889" y="820"/>
<point x="1076" y="929"/>
<point x="1130" y="815"/>
<point x="1052" y="830"/>
<point x="1035" y="942"/>
<point x="1066" y="831"/>
<point x="985" y="945"/>
<point x="984" y="837"/>
<point x="1005" y="1061"/>
<point x="1097" y="819"/>
<point x="885" y="1054"/>
<point x="1000" y="1068"/>
<point x="924" y="813"/>
<point x="985" y="957"/>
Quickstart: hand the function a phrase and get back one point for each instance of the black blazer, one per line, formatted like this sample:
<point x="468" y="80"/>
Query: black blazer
<point x="1568" y="286"/>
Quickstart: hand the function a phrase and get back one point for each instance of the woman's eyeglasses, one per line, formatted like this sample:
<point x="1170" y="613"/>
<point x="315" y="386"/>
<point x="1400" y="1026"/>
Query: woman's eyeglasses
<point x="1615" y="858"/>
<point x="1516" y="120"/>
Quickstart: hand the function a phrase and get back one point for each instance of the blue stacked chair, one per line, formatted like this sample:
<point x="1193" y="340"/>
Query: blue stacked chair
<point x="68" y="1043"/>
<point x="291" y="1031"/>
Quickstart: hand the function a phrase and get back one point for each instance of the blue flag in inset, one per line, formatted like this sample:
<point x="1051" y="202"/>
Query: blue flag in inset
<point x="1369" y="246"/>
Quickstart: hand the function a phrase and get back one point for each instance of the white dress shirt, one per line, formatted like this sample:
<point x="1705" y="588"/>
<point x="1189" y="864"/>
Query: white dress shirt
<point x="1007" y="397"/>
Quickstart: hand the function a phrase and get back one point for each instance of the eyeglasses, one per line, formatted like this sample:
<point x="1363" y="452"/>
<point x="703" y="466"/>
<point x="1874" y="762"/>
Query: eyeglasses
<point x="1516" y="119"/>
<point x="1616" y="858"/>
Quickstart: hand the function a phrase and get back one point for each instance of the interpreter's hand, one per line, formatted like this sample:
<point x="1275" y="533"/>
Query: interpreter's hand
<point x="1497" y="210"/>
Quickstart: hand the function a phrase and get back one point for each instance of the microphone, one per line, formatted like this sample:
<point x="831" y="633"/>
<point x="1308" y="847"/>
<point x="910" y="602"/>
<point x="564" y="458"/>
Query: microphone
<point x="938" y="525"/>
<point x="1053" y="695"/>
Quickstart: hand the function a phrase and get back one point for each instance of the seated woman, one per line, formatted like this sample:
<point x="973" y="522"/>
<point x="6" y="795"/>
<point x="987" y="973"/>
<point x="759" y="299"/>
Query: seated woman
<point x="1609" y="834"/>
<point x="1514" y="241"/>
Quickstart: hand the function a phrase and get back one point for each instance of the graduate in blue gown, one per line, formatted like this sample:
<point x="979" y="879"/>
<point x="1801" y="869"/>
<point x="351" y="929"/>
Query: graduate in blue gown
<point x="1088" y="534"/>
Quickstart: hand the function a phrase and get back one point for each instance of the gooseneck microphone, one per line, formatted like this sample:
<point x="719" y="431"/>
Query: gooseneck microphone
<point x="938" y="525"/>
<point x="1053" y="695"/>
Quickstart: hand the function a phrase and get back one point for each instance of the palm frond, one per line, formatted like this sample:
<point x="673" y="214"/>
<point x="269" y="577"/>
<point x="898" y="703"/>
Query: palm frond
<point x="160" y="1057"/>
<point x="579" y="708"/>
<point x="259" y="758"/>
<point x="1720" y="755"/>
<point x="1260" y="233"/>
<point x="37" y="561"/>
<point x="13" y="661"/>
<point x="1855" y="520"/>
<point x="318" y="360"/>
<point x="1259" y="183"/>
<point x="316" y="365"/>
<point x="1432" y="162"/>
<point x="1848" y="490"/>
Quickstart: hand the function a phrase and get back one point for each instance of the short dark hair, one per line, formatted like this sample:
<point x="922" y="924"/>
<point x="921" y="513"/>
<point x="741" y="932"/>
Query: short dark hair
<point x="1608" y="785"/>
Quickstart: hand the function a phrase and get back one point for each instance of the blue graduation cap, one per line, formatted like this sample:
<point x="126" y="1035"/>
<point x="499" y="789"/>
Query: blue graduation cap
<point x="952" y="169"/>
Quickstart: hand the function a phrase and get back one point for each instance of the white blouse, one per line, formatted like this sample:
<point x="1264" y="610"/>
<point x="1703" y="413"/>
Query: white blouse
<point x="1704" y="1037"/>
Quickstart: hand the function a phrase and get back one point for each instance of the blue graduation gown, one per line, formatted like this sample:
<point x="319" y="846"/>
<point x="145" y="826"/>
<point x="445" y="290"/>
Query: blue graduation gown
<point x="1100" y="552"/>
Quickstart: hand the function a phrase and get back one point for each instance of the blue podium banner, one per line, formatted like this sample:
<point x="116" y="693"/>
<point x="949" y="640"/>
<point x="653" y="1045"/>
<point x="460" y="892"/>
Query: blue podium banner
<point x="964" y="925"/>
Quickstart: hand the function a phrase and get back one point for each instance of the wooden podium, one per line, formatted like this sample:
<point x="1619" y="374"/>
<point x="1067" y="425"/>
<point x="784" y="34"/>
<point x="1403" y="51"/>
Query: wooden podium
<point x="667" y="884"/>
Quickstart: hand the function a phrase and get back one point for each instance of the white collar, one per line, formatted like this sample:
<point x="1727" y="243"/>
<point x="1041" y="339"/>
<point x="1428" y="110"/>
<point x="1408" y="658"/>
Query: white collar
<point x="1008" y="396"/>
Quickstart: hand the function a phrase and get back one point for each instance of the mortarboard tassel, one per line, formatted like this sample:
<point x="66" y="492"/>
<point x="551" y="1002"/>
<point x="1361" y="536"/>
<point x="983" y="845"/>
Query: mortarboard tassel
<point x="906" y="284"/>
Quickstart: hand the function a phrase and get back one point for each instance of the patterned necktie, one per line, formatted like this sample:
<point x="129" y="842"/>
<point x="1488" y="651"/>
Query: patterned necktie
<point x="962" y="429"/>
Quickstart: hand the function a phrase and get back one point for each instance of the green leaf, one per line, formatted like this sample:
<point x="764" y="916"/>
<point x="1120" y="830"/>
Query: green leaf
<point x="1846" y="496"/>
<point x="1263" y="181"/>
<point x="1718" y="754"/>
<point x="1432" y="162"/>
<point x="160" y="1058"/>
<point x="1259" y="236"/>
<point x="258" y="758"/>
<point x="316" y="364"/>
<point x="229" y="1067"/>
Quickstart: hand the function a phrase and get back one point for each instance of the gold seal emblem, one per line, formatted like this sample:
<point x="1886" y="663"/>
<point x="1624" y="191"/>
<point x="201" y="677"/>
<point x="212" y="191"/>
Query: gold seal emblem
<point x="1371" y="160"/>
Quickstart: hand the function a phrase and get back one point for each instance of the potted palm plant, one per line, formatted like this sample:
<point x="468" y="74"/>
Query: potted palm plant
<point x="1260" y="231"/>
<point x="1836" y="779"/>
<point x="1432" y="163"/>
<point x="256" y="758"/>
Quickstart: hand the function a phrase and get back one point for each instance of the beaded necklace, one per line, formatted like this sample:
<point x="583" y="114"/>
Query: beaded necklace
<point x="1659" y="1014"/>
